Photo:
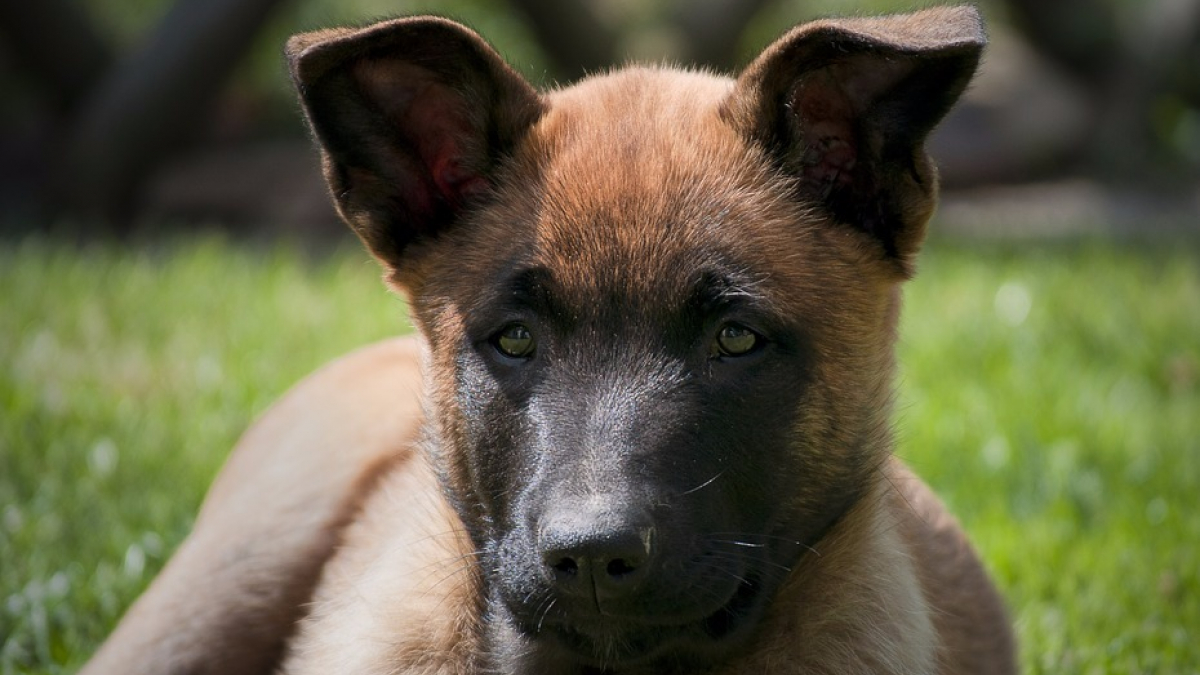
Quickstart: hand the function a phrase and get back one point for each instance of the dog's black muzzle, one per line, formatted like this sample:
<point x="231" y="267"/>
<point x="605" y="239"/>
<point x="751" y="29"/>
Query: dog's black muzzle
<point x="613" y="580"/>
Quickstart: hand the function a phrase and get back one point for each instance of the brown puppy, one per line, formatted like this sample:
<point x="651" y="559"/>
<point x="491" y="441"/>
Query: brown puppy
<point x="646" y="427"/>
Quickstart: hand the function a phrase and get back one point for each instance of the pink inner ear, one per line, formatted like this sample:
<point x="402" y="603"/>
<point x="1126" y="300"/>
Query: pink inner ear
<point x="431" y="119"/>
<point x="825" y="119"/>
<point x="447" y="141"/>
<point x="453" y="180"/>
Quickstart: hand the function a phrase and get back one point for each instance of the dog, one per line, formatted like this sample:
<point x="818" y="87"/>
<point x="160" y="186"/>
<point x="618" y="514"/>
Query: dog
<point x="645" y="426"/>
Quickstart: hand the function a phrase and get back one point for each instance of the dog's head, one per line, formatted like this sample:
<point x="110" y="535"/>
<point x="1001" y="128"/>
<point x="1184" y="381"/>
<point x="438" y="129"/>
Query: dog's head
<point x="660" y="305"/>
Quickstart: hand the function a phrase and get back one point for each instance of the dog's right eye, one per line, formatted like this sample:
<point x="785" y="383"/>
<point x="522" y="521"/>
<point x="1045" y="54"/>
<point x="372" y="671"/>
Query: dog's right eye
<point x="515" y="341"/>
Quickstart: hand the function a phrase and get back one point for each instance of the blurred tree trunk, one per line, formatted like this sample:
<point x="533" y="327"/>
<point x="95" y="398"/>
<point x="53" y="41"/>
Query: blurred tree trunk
<point x="150" y="101"/>
<point x="53" y="42"/>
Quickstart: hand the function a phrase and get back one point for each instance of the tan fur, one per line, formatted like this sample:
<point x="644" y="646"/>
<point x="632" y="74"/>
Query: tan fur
<point x="900" y="589"/>
<point x="401" y="595"/>
<point x="327" y="544"/>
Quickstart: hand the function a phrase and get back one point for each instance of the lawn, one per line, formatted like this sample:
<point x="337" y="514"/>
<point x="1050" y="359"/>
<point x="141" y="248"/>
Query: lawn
<point x="1049" y="392"/>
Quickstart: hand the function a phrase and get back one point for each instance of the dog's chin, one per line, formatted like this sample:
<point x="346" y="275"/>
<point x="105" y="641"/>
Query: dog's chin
<point x="619" y="644"/>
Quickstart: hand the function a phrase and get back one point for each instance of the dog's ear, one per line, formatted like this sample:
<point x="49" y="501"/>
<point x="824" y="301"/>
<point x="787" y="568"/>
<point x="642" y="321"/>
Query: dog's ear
<point x="844" y="107"/>
<point x="412" y="116"/>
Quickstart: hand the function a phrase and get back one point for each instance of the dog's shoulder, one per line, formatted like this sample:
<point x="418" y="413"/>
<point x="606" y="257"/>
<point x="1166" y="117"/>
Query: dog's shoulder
<point x="383" y="369"/>
<point x="968" y="612"/>
<point x="384" y="373"/>
<point x="368" y="401"/>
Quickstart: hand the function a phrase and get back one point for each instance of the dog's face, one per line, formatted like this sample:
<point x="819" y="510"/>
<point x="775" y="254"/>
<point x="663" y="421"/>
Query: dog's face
<point x="660" y="305"/>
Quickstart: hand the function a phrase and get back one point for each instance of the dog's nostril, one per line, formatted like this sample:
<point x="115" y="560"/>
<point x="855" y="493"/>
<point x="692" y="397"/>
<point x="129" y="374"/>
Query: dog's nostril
<point x="589" y="551"/>
<point x="566" y="566"/>
<point x="620" y="568"/>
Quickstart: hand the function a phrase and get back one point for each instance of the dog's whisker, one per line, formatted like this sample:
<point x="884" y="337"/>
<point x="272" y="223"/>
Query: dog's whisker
<point x="743" y="537"/>
<point x="718" y="568"/>
<point x="737" y="543"/>
<point x="544" y="613"/>
<point x="703" y="485"/>
<point x="453" y="573"/>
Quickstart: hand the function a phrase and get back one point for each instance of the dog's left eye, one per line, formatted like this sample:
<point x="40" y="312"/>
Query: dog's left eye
<point x="735" y="340"/>
<point x="515" y="341"/>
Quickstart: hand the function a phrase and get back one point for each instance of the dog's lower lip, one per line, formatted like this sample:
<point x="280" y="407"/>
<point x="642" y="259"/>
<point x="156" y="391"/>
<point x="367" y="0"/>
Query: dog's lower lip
<point x="725" y="621"/>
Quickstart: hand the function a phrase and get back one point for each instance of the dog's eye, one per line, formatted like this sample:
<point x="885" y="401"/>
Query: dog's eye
<point x="735" y="340"/>
<point x="515" y="341"/>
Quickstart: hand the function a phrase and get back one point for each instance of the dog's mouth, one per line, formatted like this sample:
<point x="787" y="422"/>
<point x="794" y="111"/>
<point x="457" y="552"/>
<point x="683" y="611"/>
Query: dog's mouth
<point x="726" y="622"/>
<point x="610" y="647"/>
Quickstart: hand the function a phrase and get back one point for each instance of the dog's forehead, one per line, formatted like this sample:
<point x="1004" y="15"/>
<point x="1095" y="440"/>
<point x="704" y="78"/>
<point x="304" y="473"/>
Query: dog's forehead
<point x="642" y="182"/>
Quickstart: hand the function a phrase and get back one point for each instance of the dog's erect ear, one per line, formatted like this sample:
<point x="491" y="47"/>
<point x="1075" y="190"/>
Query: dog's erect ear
<point x="412" y="116"/>
<point x="845" y="106"/>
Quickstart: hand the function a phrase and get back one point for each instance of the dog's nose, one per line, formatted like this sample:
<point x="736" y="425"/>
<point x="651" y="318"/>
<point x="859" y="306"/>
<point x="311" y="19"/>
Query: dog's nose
<point x="602" y="550"/>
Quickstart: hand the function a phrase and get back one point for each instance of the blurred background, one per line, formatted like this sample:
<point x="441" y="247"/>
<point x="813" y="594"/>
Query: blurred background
<point x="170" y="265"/>
<point x="127" y="115"/>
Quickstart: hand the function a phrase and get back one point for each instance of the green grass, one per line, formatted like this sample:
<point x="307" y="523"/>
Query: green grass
<point x="1051" y="394"/>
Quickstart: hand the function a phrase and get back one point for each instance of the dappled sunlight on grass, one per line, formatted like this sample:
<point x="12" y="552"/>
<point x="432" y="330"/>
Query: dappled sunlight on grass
<point x="1051" y="394"/>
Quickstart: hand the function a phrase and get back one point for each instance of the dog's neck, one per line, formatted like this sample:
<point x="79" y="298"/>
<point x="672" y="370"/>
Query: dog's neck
<point x="816" y="620"/>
